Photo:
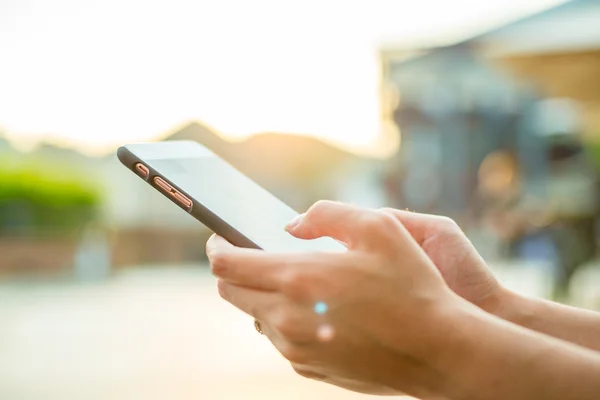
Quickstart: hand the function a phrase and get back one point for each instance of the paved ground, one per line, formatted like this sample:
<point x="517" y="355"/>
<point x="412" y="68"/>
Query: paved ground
<point x="153" y="334"/>
<point x="141" y="335"/>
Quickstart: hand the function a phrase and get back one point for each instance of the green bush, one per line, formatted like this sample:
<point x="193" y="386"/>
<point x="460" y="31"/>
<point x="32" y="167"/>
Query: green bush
<point x="35" y="199"/>
<point x="592" y="149"/>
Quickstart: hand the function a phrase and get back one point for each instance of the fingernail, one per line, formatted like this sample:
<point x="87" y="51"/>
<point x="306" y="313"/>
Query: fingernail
<point x="294" y="223"/>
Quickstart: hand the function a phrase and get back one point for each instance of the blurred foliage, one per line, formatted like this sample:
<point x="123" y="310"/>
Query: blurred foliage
<point x="39" y="198"/>
<point x="592" y="149"/>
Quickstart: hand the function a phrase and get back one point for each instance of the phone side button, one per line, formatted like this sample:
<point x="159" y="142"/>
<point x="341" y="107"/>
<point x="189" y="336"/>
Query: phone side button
<point x="173" y="193"/>
<point x="161" y="183"/>
<point x="183" y="200"/>
<point x="142" y="170"/>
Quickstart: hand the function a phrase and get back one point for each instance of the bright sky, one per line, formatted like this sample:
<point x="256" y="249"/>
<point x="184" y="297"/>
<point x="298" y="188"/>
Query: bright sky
<point x="99" y="75"/>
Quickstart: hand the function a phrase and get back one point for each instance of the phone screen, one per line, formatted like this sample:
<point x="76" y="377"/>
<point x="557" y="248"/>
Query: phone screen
<point x="236" y="199"/>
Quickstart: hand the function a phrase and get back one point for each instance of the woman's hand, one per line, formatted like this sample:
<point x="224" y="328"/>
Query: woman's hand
<point x="463" y="269"/>
<point x="466" y="274"/>
<point x="367" y="319"/>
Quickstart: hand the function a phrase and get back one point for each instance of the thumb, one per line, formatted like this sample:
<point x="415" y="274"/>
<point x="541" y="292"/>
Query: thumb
<point x="354" y="226"/>
<point x="326" y="218"/>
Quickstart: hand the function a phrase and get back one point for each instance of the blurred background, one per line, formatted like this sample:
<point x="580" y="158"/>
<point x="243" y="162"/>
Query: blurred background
<point x="488" y="112"/>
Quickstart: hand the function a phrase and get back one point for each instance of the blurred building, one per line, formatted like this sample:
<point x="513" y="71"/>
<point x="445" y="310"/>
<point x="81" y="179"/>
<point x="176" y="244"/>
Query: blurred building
<point x="483" y="95"/>
<point x="496" y="130"/>
<point x="453" y="110"/>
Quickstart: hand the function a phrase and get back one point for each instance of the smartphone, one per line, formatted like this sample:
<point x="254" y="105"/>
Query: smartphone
<point x="219" y="196"/>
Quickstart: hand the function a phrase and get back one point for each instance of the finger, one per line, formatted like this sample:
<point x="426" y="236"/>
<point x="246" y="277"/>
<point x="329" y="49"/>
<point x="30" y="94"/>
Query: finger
<point x="279" y="319"/>
<point x="421" y="226"/>
<point x="218" y="244"/>
<point x="240" y="266"/>
<point x="258" y="269"/>
<point x="357" y="227"/>
<point x="251" y="301"/>
<point x="308" y="372"/>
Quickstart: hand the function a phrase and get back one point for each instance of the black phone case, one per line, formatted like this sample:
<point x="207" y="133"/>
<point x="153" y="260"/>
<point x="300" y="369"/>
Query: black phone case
<point x="198" y="211"/>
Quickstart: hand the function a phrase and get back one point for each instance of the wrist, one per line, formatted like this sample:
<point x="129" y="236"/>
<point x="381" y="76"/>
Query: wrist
<point x="482" y="356"/>
<point x="459" y="351"/>
<point x="501" y="302"/>
<point x="436" y="345"/>
<point x="509" y="306"/>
